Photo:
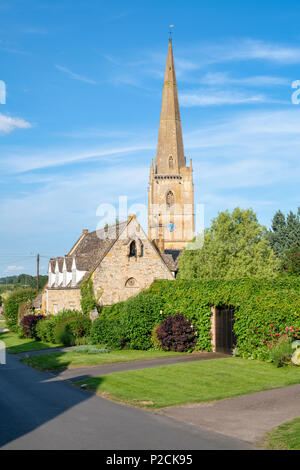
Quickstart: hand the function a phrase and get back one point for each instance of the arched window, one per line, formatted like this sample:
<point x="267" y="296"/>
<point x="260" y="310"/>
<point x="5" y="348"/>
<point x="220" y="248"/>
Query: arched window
<point x="171" y="162"/>
<point x="170" y="199"/>
<point x="132" y="249"/>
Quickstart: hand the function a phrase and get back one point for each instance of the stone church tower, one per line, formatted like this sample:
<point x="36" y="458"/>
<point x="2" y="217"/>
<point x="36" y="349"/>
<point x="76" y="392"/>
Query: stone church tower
<point x="171" y="191"/>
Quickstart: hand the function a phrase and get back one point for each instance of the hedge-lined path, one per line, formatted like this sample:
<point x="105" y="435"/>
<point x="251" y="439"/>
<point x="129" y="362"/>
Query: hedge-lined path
<point x="247" y="417"/>
<point x="79" y="373"/>
<point x="39" y="412"/>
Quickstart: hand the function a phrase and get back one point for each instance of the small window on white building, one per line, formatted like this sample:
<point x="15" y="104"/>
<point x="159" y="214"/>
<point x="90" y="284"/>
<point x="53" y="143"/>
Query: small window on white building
<point x="55" y="309"/>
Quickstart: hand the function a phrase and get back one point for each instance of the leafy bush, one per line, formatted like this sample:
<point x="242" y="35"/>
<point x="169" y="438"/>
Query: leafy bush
<point x="45" y="329"/>
<point x="176" y="333"/>
<point x="12" y="303"/>
<point x="29" y="323"/>
<point x="106" y="330"/>
<point x="139" y="315"/>
<point x="156" y="343"/>
<point x="70" y="327"/>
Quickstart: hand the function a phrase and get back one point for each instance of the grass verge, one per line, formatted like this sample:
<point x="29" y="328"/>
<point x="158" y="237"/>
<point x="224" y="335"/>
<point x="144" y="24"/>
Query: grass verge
<point x="284" y="437"/>
<point x="16" y="345"/>
<point x="193" y="382"/>
<point x="71" y="359"/>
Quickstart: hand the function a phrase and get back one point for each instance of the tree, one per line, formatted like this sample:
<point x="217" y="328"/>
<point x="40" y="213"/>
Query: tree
<point x="285" y="232"/>
<point x="235" y="246"/>
<point x="291" y="261"/>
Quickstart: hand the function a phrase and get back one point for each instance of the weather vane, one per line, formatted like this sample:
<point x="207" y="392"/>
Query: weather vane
<point x="170" y="31"/>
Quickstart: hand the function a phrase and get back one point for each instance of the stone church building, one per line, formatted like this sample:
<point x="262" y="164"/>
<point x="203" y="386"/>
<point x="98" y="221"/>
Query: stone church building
<point x="121" y="259"/>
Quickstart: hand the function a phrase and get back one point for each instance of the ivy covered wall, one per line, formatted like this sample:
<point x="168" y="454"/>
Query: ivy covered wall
<point x="257" y="303"/>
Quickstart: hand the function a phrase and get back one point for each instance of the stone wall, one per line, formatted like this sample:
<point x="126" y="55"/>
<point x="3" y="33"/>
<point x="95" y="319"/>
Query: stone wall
<point x="55" y="300"/>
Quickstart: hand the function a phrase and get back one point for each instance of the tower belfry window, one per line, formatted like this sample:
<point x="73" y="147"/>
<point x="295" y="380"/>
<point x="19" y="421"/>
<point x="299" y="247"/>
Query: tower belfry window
<point x="171" y="162"/>
<point x="170" y="199"/>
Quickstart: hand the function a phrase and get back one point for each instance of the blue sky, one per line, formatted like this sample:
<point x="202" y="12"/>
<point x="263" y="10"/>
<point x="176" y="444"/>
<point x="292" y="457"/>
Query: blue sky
<point x="84" y="83"/>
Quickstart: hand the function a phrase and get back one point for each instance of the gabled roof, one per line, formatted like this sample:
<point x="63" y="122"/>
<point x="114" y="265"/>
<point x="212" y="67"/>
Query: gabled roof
<point x="92" y="247"/>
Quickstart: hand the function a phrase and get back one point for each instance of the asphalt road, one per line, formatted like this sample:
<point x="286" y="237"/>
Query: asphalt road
<point x="39" y="411"/>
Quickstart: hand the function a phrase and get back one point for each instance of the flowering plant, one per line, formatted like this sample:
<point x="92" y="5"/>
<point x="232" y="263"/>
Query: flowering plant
<point x="78" y="331"/>
<point x="279" y="344"/>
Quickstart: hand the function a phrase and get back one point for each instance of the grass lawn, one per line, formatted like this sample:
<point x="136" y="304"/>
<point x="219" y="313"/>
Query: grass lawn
<point x="70" y="359"/>
<point x="285" y="437"/>
<point x="192" y="382"/>
<point x="16" y="345"/>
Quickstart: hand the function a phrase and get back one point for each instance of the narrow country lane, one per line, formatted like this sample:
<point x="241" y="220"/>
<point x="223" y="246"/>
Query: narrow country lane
<point x="38" y="411"/>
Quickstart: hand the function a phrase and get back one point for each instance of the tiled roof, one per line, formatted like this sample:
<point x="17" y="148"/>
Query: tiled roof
<point x="170" y="257"/>
<point x="90" y="250"/>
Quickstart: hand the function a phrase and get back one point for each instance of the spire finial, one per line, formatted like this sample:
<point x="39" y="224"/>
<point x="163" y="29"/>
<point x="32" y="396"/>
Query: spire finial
<point x="170" y="32"/>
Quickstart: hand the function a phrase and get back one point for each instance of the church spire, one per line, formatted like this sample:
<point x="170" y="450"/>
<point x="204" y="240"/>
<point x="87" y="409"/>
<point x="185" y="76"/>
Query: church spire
<point x="170" y="152"/>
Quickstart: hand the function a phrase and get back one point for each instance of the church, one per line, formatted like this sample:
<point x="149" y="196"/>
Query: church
<point x="121" y="259"/>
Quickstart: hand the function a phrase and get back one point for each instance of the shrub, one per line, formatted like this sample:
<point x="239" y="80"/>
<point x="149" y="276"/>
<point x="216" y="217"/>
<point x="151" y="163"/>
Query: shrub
<point x="156" y="343"/>
<point x="45" y="329"/>
<point x="281" y="353"/>
<point x="107" y="330"/>
<point x="29" y="323"/>
<point x="12" y="303"/>
<point x="138" y="317"/>
<point x="176" y="333"/>
<point x="69" y="328"/>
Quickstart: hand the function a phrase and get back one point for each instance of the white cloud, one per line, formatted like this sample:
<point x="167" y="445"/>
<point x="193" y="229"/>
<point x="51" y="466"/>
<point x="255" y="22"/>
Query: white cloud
<point x="9" y="124"/>
<point x="67" y="203"/>
<point x="75" y="76"/>
<point x="17" y="162"/>
<point x="10" y="269"/>
<point x="223" y="78"/>
<point x="218" y="97"/>
<point x="249" y="49"/>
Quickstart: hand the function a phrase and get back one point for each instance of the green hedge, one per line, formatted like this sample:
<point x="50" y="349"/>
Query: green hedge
<point x="139" y="315"/>
<point x="257" y="304"/>
<point x="45" y="328"/>
<point x="12" y="303"/>
<point x="107" y="328"/>
<point x="69" y="328"/>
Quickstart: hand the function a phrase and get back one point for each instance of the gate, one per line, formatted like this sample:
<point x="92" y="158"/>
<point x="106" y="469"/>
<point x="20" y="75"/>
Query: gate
<point x="224" y="334"/>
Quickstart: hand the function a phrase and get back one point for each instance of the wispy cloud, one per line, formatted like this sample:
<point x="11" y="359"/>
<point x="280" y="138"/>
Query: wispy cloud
<point x="10" y="269"/>
<point x="218" y="97"/>
<point x="75" y="76"/>
<point x="224" y="78"/>
<point x="18" y="162"/>
<point x="9" y="124"/>
<point x="249" y="49"/>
